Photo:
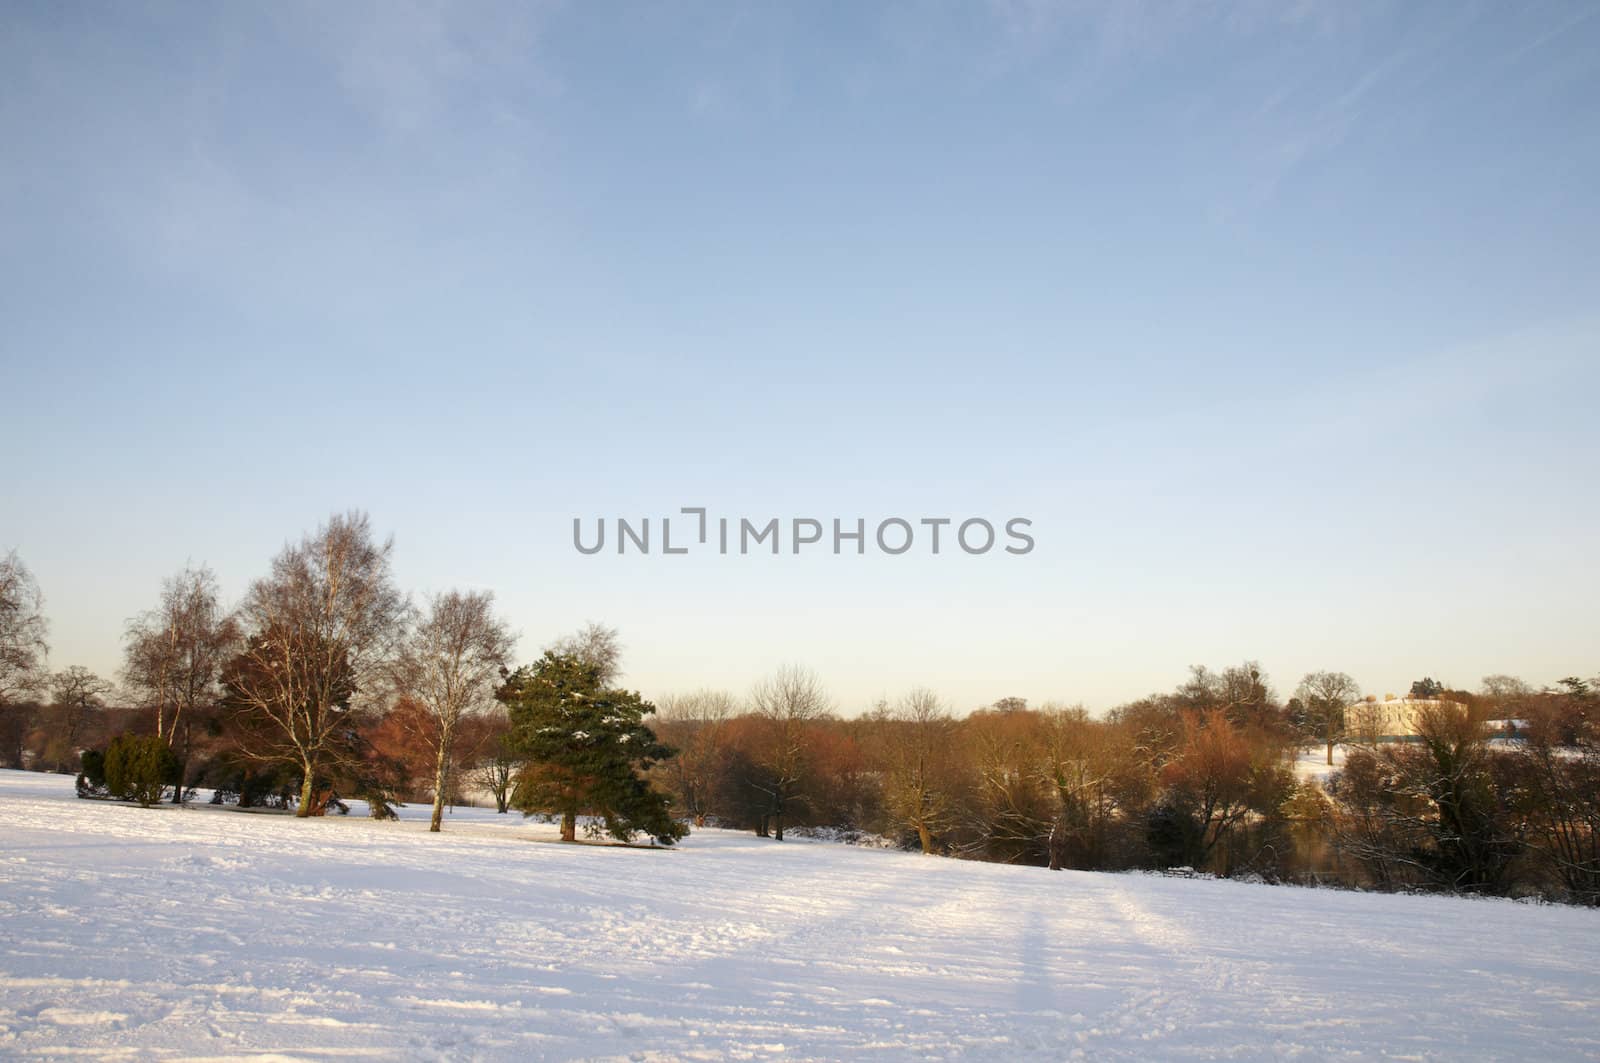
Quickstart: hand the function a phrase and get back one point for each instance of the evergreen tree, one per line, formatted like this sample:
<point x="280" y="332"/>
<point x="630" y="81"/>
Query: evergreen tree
<point x="1427" y="688"/>
<point x="139" y="767"/>
<point x="587" y="749"/>
<point x="92" y="779"/>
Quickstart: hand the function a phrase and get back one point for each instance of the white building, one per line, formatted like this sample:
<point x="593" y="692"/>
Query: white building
<point x="1392" y="719"/>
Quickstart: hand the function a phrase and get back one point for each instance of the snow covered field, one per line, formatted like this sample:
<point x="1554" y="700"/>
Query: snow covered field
<point x="1313" y="763"/>
<point x="191" y="933"/>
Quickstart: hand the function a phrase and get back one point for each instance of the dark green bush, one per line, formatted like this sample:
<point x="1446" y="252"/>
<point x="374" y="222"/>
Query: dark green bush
<point x="139" y="767"/>
<point x="92" y="773"/>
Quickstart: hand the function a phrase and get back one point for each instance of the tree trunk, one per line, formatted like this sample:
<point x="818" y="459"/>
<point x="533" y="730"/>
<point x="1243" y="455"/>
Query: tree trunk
<point x="1330" y="752"/>
<point x="569" y="826"/>
<point x="307" y="789"/>
<point x="926" y="838"/>
<point x="183" y="764"/>
<point x="777" y="826"/>
<point x="441" y="771"/>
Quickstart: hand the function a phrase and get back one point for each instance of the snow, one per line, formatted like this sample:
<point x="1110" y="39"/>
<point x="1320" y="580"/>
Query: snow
<point x="1311" y="764"/>
<point x="199" y="932"/>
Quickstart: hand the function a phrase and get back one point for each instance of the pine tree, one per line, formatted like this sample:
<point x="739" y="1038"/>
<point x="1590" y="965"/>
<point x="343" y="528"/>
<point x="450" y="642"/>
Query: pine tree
<point x="587" y="749"/>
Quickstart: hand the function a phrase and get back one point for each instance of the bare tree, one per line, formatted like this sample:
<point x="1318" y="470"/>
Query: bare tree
<point x="1326" y="695"/>
<point x="76" y="692"/>
<point x="448" y="664"/>
<point x="915" y="739"/>
<point x="173" y="655"/>
<point x="696" y="725"/>
<point x="1506" y="688"/>
<point x="1364" y="722"/>
<point x="23" y="631"/>
<point x="596" y="645"/>
<point x="496" y="772"/>
<point x="1561" y="758"/>
<point x="787" y="703"/>
<point x="1434" y="810"/>
<point x="1008" y="814"/>
<point x="322" y="629"/>
<point x="1506" y="698"/>
<point x="1085" y="765"/>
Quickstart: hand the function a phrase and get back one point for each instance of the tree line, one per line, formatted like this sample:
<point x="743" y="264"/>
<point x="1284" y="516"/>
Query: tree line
<point x="1201" y="777"/>
<point x="326" y="683"/>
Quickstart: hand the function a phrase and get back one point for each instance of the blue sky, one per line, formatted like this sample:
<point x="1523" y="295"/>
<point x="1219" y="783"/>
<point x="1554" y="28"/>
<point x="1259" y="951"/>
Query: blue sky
<point x="1278" y="320"/>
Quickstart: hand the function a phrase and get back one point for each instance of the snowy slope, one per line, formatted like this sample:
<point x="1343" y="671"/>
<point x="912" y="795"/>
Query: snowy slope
<point x="217" y="934"/>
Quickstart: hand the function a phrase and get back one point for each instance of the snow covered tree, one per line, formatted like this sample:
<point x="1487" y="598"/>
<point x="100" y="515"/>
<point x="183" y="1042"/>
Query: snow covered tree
<point x="448" y="665"/>
<point x="586" y="749"/>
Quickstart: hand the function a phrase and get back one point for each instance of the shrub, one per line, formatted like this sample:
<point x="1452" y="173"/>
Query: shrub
<point x="1173" y="834"/>
<point x="139" y="767"/>
<point x="92" y="773"/>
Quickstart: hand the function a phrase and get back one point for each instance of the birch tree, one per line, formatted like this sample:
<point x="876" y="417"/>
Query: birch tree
<point x="173" y="655"/>
<point x="23" y="645"/>
<point x="322" y="628"/>
<point x="449" y="664"/>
